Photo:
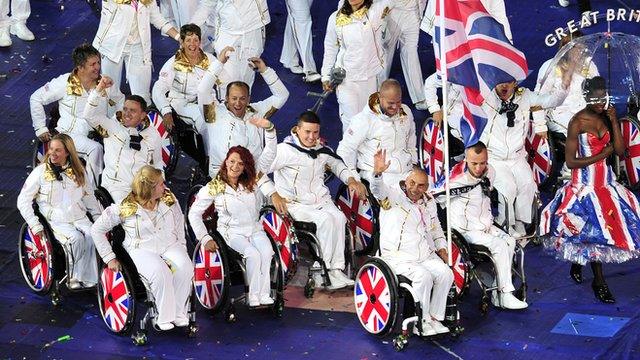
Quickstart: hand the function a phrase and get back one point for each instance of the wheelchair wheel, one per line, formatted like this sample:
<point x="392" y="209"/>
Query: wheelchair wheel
<point x="170" y="149"/>
<point x="209" y="217"/>
<point x="278" y="229"/>
<point x="460" y="261"/>
<point x="39" y="151"/>
<point x="540" y="156"/>
<point x="630" y="164"/>
<point x="36" y="260"/>
<point x="211" y="280"/>
<point x="376" y="297"/>
<point x="362" y="219"/>
<point x="116" y="297"/>
<point x="431" y="150"/>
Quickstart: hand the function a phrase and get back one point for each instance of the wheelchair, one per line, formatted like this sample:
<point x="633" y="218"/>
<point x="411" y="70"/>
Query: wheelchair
<point x="216" y="272"/>
<point x="45" y="262"/>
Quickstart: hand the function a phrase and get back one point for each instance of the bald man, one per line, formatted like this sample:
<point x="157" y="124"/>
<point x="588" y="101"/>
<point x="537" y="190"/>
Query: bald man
<point x="412" y="241"/>
<point x="385" y="123"/>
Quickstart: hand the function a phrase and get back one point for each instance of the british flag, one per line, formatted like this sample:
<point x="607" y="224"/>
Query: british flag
<point x="39" y="255"/>
<point x="432" y="151"/>
<point x="208" y="279"/>
<point x="540" y="156"/>
<point x="359" y="215"/>
<point x="459" y="268"/>
<point x="167" y="144"/>
<point x="372" y="298"/>
<point x="43" y="147"/>
<point x="116" y="299"/>
<point x="478" y="56"/>
<point x="631" y="137"/>
<point x="279" y="230"/>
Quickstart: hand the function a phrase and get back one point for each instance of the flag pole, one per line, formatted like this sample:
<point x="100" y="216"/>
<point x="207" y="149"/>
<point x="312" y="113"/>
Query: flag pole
<point x="445" y="128"/>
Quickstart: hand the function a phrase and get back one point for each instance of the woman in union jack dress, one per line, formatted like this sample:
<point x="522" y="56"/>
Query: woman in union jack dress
<point x="593" y="219"/>
<point x="234" y="193"/>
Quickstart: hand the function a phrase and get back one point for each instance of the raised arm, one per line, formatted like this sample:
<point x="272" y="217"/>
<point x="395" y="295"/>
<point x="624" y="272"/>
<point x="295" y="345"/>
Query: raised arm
<point x="279" y="92"/>
<point x="93" y="113"/>
<point x="210" y="77"/>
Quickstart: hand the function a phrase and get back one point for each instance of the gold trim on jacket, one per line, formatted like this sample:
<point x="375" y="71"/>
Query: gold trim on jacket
<point x="128" y="2"/>
<point x="182" y="63"/>
<point x="344" y="19"/>
<point x="49" y="175"/>
<point x="216" y="186"/>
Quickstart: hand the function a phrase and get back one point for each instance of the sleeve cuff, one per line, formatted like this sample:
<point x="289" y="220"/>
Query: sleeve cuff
<point x="110" y="256"/>
<point x="206" y="239"/>
<point x="269" y="76"/>
<point x="433" y="108"/>
<point x="42" y="130"/>
<point x="166" y="110"/>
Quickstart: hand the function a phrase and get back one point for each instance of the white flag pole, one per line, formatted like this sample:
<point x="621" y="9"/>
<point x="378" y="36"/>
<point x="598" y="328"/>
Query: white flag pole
<point x="445" y="129"/>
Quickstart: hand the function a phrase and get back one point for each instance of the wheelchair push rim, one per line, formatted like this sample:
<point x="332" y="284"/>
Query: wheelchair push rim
<point x="36" y="260"/>
<point x="116" y="297"/>
<point x="362" y="219"/>
<point x="376" y="297"/>
<point x="210" y="277"/>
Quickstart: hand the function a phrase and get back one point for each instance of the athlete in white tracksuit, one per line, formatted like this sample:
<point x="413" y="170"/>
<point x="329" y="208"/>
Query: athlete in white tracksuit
<point x="404" y="26"/>
<point x="413" y="244"/>
<point x="121" y="159"/>
<point x="298" y="43"/>
<point x="155" y="241"/>
<point x="355" y="43"/>
<point x="224" y="128"/>
<point x="504" y="139"/>
<point x="70" y="93"/>
<point x="124" y="38"/>
<point x="64" y="204"/>
<point x="495" y="8"/>
<point x="239" y="223"/>
<point x="372" y="129"/>
<point x="472" y="217"/>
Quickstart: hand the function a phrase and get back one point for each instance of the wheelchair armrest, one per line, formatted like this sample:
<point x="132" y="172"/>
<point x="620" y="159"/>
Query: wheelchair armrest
<point x="404" y="280"/>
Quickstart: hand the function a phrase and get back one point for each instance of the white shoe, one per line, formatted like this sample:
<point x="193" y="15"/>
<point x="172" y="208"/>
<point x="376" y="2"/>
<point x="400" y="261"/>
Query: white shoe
<point x="296" y="69"/>
<point x="508" y="301"/>
<point x="74" y="284"/>
<point x="312" y="76"/>
<point x="336" y="282"/>
<point x="343" y="278"/>
<point x="181" y="321"/>
<point x="427" y="329"/>
<point x="164" y="326"/>
<point x="438" y="327"/>
<point x="254" y="301"/>
<point x="20" y="30"/>
<point x="266" y="300"/>
<point x="5" y="39"/>
<point x="563" y="3"/>
<point x="421" y="105"/>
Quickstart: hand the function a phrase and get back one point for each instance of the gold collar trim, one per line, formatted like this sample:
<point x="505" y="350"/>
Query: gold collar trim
<point x="74" y="86"/>
<point x="168" y="198"/>
<point x="128" y="2"/>
<point x="344" y="19"/>
<point x="182" y="63"/>
<point x="216" y="186"/>
<point x="49" y="175"/>
<point x="128" y="206"/>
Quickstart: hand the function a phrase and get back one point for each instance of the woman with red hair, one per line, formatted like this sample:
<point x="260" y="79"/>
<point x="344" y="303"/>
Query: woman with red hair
<point x="234" y="194"/>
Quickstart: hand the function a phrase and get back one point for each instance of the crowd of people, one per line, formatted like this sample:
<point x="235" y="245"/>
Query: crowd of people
<point x="592" y="219"/>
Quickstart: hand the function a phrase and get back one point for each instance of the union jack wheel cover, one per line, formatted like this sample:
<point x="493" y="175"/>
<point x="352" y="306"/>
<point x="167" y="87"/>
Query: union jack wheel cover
<point x="39" y="152"/>
<point x="208" y="279"/>
<point x="36" y="260"/>
<point x="631" y="162"/>
<point x="360" y="218"/>
<point x="375" y="296"/>
<point x="169" y="153"/>
<point x="539" y="156"/>
<point x="279" y="230"/>
<point x="116" y="299"/>
<point x="432" y="150"/>
<point x="460" y="267"/>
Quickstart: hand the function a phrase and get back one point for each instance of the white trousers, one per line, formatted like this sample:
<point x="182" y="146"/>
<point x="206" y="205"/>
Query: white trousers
<point x="91" y="151"/>
<point x="237" y="66"/>
<point x="353" y="96"/>
<point x="76" y="238"/>
<point x="431" y="279"/>
<point x="502" y="248"/>
<point x="169" y="275"/>
<point x="297" y="36"/>
<point x="138" y="73"/>
<point x="180" y="12"/>
<point x="20" y="11"/>
<point x="257" y="251"/>
<point x="514" y="181"/>
<point x="404" y="27"/>
<point x="330" y="223"/>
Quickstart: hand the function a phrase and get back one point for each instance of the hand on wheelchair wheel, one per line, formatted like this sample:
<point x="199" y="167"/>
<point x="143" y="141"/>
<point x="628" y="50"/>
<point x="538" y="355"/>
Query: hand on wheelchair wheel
<point x="167" y="121"/>
<point x="114" y="265"/>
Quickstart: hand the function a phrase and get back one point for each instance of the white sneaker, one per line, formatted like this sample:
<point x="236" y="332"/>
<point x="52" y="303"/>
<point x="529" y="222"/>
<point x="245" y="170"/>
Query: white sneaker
<point x="343" y="278"/>
<point x="438" y="327"/>
<point x="20" y="30"/>
<point x="421" y="105"/>
<point x="254" y="301"/>
<point x="181" y="321"/>
<point x="427" y="329"/>
<point x="336" y="282"/>
<point x="312" y="76"/>
<point x="164" y="326"/>
<point x="5" y="39"/>
<point x="296" y="69"/>
<point x="266" y="300"/>
<point x="563" y="3"/>
<point x="508" y="301"/>
<point x="74" y="284"/>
